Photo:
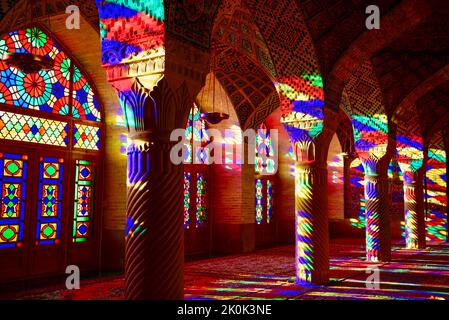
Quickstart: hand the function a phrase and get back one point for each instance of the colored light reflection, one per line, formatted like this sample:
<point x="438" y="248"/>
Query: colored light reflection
<point x="119" y="19"/>
<point x="303" y="101"/>
<point x="436" y="217"/>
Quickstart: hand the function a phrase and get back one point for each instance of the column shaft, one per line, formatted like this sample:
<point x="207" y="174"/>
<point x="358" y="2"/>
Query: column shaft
<point x="312" y="230"/>
<point x="154" y="256"/>
<point x="378" y="233"/>
<point x="415" y="237"/>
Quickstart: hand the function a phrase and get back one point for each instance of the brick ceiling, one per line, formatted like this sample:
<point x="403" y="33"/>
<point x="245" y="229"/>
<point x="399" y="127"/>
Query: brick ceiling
<point x="401" y="66"/>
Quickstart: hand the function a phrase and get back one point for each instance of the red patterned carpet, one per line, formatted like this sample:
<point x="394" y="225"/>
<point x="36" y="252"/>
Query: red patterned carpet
<point x="269" y="274"/>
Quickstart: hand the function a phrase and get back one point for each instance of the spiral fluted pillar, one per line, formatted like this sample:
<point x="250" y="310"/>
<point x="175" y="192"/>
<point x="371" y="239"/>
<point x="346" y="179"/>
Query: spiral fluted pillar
<point x="378" y="234"/>
<point x="415" y="236"/>
<point x="312" y="230"/>
<point x="154" y="257"/>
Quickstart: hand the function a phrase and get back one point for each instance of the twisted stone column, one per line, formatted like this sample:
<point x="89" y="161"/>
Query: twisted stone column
<point x="415" y="237"/>
<point x="154" y="257"/>
<point x="378" y="233"/>
<point x="312" y="230"/>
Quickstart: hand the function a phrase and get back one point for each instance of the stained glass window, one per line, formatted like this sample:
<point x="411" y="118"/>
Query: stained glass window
<point x="269" y="200"/>
<point x="186" y="200"/>
<point x="49" y="90"/>
<point x="56" y="107"/>
<point x="264" y="166"/>
<point x="195" y="152"/>
<point x="50" y="201"/>
<point x="63" y="90"/>
<point x="84" y="194"/>
<point x="197" y="138"/>
<point x="85" y="103"/>
<point x="201" y="208"/>
<point x="264" y="152"/>
<point x="86" y="137"/>
<point x="25" y="128"/>
<point x="13" y="174"/>
<point x="259" y="201"/>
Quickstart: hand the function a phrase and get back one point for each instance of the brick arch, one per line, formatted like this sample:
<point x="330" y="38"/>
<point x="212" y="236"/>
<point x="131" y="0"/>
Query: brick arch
<point x="250" y="89"/>
<point x="438" y="78"/>
<point x="402" y="18"/>
<point x="291" y="47"/>
<point x="433" y="110"/>
<point x="192" y="21"/>
<point x="365" y="104"/>
<point x="235" y="27"/>
<point x="345" y="133"/>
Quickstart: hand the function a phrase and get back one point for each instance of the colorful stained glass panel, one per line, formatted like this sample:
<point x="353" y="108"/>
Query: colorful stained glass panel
<point x="264" y="164"/>
<point x="48" y="90"/>
<point x="86" y="137"/>
<point x="50" y="201"/>
<point x="269" y="201"/>
<point x="13" y="169"/>
<point x="25" y="128"/>
<point x="85" y="104"/>
<point x="259" y="201"/>
<point x="84" y="194"/>
<point x="201" y="206"/>
<point x="186" y="200"/>
<point x="195" y="150"/>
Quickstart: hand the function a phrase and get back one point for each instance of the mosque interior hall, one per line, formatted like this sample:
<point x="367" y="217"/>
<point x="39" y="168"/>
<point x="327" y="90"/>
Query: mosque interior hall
<point x="224" y="149"/>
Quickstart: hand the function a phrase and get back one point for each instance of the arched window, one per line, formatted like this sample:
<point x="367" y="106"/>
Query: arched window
<point x="196" y="184"/>
<point x="195" y="176"/>
<point x="265" y="169"/>
<point x="50" y="125"/>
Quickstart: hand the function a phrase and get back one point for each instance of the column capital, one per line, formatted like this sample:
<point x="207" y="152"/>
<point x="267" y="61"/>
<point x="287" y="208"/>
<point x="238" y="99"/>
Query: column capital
<point x="153" y="114"/>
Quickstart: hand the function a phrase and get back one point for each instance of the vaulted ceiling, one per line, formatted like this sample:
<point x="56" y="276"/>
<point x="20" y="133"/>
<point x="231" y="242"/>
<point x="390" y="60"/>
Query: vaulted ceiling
<point x="410" y="54"/>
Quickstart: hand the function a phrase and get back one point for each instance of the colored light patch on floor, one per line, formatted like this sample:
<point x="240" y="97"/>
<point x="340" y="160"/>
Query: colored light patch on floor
<point x="269" y="275"/>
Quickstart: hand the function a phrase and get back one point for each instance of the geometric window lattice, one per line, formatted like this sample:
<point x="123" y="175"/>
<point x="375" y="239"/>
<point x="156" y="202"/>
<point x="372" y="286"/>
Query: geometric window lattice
<point x="264" y="152"/>
<point x="201" y="208"/>
<point x="47" y="91"/>
<point x="86" y="137"/>
<point x="264" y="201"/>
<point x="259" y="201"/>
<point x="83" y="207"/>
<point x="25" y="128"/>
<point x="48" y="227"/>
<point x="13" y="175"/>
<point x="196" y="137"/>
<point x="186" y="200"/>
<point x="269" y="201"/>
<point x="85" y="104"/>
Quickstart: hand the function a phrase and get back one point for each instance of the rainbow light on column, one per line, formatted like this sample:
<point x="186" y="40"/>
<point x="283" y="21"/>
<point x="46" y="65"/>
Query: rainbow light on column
<point x="436" y="218"/>
<point x="411" y="218"/>
<point x="372" y="222"/>
<point x="304" y="231"/>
